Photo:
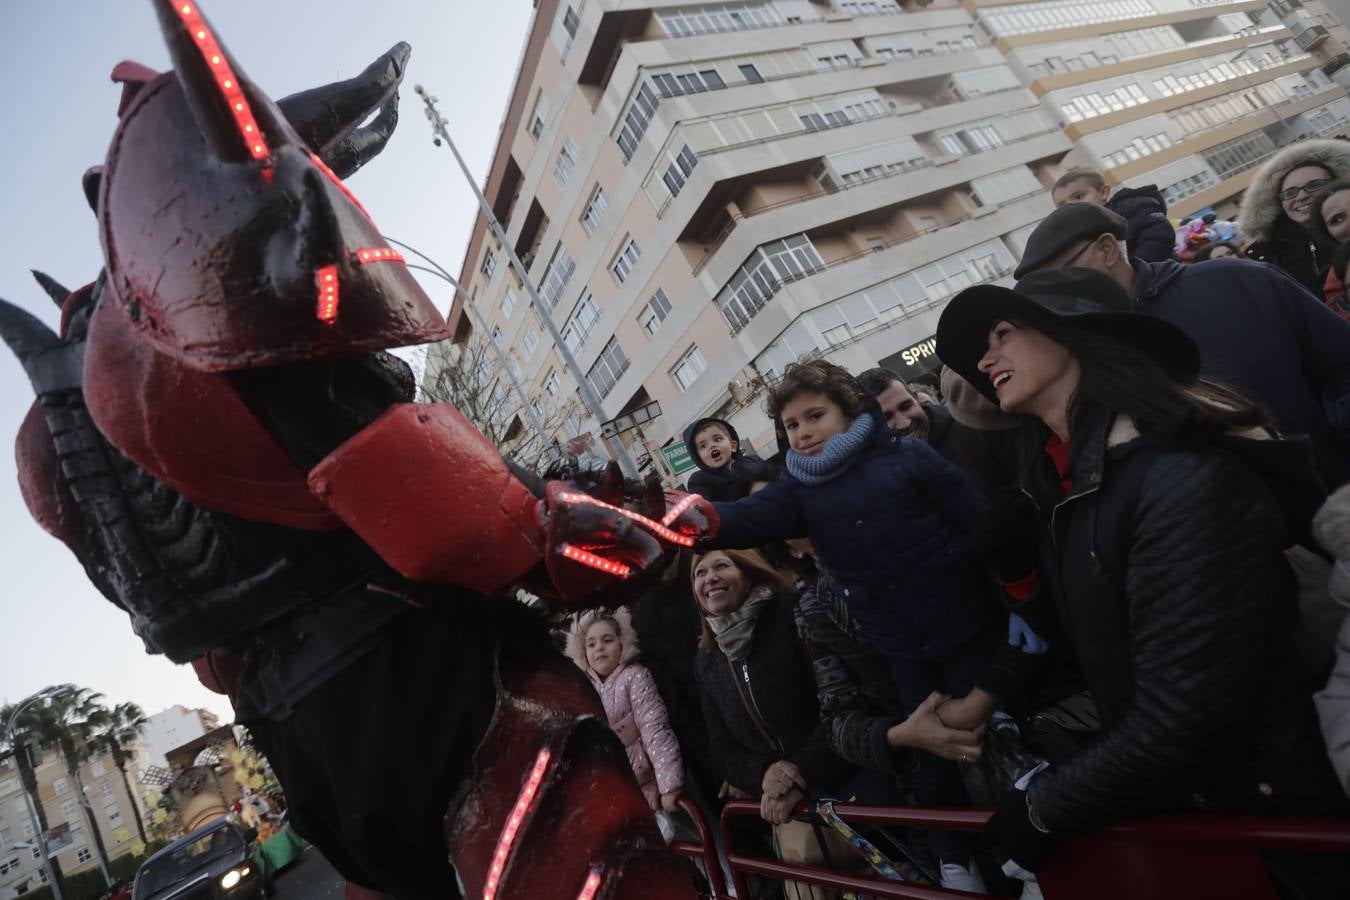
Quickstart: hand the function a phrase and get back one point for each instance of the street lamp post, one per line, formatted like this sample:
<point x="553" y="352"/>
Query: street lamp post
<point x="28" y="800"/>
<point x="588" y="396"/>
<point x="435" y="268"/>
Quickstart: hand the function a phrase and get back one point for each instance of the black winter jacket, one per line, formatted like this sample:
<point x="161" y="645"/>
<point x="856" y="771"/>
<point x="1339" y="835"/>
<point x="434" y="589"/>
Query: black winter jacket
<point x="854" y="684"/>
<point x="894" y="530"/>
<point x="1150" y="236"/>
<point x="1170" y="584"/>
<point x="667" y="625"/>
<point x="763" y="708"/>
<point x="1297" y="251"/>
<point x="1260" y="333"/>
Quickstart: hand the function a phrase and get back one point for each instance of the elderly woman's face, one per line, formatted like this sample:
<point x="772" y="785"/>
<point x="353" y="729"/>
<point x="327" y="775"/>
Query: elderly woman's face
<point x="1298" y="189"/>
<point x="719" y="584"/>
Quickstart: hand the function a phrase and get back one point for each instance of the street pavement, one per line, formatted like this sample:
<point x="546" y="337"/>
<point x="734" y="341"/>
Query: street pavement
<point x="310" y="878"/>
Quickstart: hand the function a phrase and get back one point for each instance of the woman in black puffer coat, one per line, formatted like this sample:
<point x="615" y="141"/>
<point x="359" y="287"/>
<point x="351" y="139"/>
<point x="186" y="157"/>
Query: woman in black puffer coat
<point x="1165" y="505"/>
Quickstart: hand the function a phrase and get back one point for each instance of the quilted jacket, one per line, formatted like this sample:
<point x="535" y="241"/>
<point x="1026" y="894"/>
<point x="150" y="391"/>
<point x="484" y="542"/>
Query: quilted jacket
<point x="634" y="709"/>
<point x="1169" y="579"/>
<point x="893" y="529"/>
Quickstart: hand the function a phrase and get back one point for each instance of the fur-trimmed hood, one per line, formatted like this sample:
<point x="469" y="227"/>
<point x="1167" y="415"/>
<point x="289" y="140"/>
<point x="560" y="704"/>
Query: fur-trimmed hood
<point x="1260" y="205"/>
<point x="576" y="637"/>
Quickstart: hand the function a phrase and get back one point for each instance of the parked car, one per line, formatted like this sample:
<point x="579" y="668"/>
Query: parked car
<point x="214" y="861"/>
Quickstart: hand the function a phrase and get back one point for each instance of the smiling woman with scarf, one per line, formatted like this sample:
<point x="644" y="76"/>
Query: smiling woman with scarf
<point x="759" y="695"/>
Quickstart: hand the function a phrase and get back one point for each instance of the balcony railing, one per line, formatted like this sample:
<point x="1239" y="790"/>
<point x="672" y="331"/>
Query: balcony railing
<point x="1310" y="37"/>
<point x="1335" y="64"/>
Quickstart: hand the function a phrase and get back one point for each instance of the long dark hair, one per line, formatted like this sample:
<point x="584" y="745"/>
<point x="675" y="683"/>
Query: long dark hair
<point x="1316" y="223"/>
<point x="1116" y="378"/>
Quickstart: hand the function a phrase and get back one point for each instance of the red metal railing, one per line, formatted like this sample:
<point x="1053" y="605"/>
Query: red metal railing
<point x="1181" y="857"/>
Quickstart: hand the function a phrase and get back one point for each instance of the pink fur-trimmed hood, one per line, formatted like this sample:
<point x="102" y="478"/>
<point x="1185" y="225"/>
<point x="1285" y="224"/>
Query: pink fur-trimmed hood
<point x="576" y="637"/>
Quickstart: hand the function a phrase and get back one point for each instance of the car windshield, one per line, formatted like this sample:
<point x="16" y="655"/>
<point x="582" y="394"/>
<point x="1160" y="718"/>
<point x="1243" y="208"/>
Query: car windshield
<point x="186" y="861"/>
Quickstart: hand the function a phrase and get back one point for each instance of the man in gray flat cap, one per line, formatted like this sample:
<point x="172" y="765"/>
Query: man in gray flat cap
<point x="1258" y="330"/>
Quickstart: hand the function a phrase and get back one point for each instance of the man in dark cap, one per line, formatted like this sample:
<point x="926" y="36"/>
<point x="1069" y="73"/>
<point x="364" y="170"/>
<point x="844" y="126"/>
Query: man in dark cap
<point x="1258" y="330"/>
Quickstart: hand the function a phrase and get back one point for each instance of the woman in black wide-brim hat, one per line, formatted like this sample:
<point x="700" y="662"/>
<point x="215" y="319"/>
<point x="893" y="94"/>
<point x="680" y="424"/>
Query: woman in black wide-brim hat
<point x="1149" y="543"/>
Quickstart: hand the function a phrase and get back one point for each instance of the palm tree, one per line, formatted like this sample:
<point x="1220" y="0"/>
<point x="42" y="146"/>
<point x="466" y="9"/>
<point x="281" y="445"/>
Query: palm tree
<point x="24" y="731"/>
<point x="114" y="730"/>
<point x="64" y="723"/>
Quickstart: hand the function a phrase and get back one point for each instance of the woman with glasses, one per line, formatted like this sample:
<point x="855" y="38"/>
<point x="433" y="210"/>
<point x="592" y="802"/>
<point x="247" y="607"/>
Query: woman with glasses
<point x="1277" y="209"/>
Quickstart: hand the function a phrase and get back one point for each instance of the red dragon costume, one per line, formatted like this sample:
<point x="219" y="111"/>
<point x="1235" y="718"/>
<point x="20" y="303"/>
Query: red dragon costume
<point x="222" y="439"/>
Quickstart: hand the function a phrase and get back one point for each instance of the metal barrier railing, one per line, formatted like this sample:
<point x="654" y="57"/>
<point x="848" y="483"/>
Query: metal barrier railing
<point x="1180" y="857"/>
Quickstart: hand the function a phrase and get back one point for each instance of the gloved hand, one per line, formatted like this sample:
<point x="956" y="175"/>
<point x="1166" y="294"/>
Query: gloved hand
<point x="1007" y="536"/>
<point x="596" y="552"/>
<point x="1021" y="636"/>
<point x="1011" y="831"/>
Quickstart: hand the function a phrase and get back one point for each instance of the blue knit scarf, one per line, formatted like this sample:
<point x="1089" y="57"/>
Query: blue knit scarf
<point x="837" y="455"/>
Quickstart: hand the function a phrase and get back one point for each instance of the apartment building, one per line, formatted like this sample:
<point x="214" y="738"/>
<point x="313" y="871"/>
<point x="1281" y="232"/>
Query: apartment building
<point x="21" y="867"/>
<point x="704" y="193"/>
<point x="173" y="727"/>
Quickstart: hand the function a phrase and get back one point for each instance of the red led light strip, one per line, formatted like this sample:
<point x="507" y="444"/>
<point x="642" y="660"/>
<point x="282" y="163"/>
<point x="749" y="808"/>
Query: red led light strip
<point x="332" y="176"/>
<point x="591" y="887"/>
<point x="508" y="835"/>
<point x="586" y="558"/>
<point x="225" y="79"/>
<point x="326" y="283"/>
<point x="652" y="525"/>
<point x="677" y="509"/>
<point x="377" y="254"/>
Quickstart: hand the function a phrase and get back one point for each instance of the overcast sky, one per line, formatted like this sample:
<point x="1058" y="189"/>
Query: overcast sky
<point x="60" y="110"/>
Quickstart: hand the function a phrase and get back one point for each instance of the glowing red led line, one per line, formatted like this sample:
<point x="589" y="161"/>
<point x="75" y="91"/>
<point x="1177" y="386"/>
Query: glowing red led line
<point x="508" y="836"/>
<point x="226" y="80"/>
<point x="591" y="887"/>
<point x="337" y="182"/>
<point x="655" y="527"/>
<point x="377" y="254"/>
<point x="586" y="558"/>
<point x="677" y="509"/>
<point x="326" y="284"/>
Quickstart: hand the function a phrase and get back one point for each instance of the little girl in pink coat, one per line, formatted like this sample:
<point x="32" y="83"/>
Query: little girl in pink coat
<point x="605" y="646"/>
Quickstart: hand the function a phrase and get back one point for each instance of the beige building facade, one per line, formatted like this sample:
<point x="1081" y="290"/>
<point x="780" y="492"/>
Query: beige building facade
<point x="706" y="193"/>
<point x="21" y="867"/>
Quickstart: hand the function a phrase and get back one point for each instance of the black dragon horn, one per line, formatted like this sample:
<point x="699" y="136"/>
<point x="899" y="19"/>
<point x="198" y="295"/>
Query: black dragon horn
<point x="327" y="118"/>
<point x="55" y="289"/>
<point x="214" y="84"/>
<point x="50" y="363"/>
<point x="323" y="238"/>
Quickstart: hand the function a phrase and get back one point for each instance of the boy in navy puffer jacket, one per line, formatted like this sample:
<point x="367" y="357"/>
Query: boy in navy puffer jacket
<point x="890" y="520"/>
<point x="726" y="472"/>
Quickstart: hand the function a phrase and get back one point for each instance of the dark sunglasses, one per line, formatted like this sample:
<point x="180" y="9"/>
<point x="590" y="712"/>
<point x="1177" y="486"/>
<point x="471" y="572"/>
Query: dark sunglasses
<point x="1311" y="187"/>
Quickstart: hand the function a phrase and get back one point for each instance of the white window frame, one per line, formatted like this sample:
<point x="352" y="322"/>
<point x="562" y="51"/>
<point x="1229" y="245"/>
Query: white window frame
<point x="567" y="159"/>
<point x="594" y="212"/>
<point x="688" y="368"/>
<point x="621" y="266"/>
<point x="654" y="312"/>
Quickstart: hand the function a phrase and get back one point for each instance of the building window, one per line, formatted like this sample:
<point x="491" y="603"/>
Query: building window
<point x="508" y="303"/>
<point x="530" y="341"/>
<point x="750" y="73"/>
<point x="552" y="384"/>
<point x="624" y="261"/>
<point x="720" y="17"/>
<point x="636" y="120"/>
<point x="761" y="276"/>
<point x="583" y="320"/>
<point x="655" y="312"/>
<point x="611" y="365"/>
<point x="595" y="209"/>
<point x="60" y="786"/>
<point x="489" y="265"/>
<point x="567" y="158"/>
<point x="83" y="855"/>
<point x="675" y="84"/>
<point x="105" y="791"/>
<point x="678" y="172"/>
<point x="537" y="117"/>
<point x="97" y="769"/>
<point x="570" y="21"/>
<point x="690" y="366"/>
<point x="9" y="865"/>
<point x="68" y="813"/>
<point x="556" y="276"/>
<point x="113" y="813"/>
